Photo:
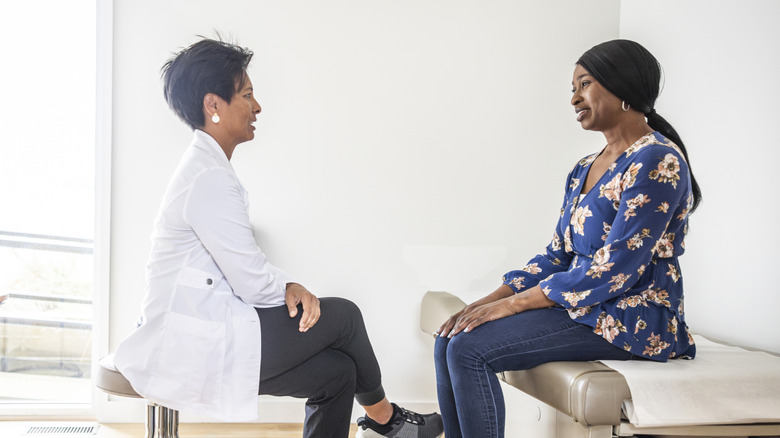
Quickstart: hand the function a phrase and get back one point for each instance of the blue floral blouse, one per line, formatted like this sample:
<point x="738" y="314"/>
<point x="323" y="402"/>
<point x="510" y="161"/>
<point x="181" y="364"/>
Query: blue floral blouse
<point x="613" y="260"/>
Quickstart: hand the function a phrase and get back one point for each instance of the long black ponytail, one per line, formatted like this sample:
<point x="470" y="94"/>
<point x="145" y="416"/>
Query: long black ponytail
<point x="631" y="72"/>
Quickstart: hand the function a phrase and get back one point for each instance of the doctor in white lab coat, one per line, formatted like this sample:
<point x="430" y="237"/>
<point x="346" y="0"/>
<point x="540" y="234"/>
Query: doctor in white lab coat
<point x="220" y="324"/>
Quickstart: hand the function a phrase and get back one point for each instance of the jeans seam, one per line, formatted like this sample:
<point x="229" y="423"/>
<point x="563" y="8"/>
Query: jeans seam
<point x="483" y="355"/>
<point x="486" y="395"/>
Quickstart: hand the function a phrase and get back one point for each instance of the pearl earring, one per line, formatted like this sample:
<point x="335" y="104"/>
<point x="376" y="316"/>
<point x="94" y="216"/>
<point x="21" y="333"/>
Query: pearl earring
<point x="215" y="118"/>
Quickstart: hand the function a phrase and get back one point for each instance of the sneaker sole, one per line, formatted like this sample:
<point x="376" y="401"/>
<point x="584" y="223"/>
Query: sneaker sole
<point x="368" y="433"/>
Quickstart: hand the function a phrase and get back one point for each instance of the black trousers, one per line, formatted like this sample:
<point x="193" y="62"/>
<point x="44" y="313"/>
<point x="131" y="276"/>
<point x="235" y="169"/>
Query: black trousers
<point x="330" y="364"/>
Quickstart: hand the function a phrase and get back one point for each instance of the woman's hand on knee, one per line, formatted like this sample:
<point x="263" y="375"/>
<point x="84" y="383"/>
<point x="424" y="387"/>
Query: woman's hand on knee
<point x="479" y="315"/>
<point x="296" y="294"/>
<point x="447" y="329"/>
<point x="469" y="319"/>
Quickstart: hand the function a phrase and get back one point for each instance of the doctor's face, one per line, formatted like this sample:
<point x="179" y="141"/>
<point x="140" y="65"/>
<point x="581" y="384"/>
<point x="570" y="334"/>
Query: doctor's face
<point x="238" y="116"/>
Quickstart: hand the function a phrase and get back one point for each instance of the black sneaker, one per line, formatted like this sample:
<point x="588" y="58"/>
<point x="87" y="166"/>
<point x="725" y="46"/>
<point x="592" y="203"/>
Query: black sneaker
<point x="404" y="424"/>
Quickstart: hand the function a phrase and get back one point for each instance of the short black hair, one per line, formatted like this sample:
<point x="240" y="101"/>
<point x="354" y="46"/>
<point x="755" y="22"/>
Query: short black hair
<point x="208" y="66"/>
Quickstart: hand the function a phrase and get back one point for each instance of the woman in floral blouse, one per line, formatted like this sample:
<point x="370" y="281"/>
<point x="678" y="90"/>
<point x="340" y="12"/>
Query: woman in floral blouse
<point x="609" y="285"/>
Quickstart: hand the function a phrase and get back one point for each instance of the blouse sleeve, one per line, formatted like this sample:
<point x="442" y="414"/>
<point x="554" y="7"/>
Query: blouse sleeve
<point x="651" y="193"/>
<point x="554" y="259"/>
<point x="217" y="212"/>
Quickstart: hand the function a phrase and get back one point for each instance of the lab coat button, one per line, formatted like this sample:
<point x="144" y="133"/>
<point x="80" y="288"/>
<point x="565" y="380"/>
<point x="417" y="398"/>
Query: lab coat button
<point x="209" y="281"/>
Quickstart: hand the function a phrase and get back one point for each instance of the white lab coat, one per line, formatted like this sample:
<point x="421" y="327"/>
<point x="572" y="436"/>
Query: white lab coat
<point x="198" y="349"/>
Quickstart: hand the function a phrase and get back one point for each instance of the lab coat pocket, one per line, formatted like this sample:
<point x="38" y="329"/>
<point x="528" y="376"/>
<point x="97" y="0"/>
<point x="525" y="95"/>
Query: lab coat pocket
<point x="195" y="291"/>
<point x="198" y="279"/>
<point x="192" y="357"/>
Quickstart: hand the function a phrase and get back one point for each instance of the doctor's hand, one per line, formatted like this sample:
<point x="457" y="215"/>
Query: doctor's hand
<point x="296" y="294"/>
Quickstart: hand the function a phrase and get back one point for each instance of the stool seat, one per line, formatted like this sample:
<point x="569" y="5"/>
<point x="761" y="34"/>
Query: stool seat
<point x="110" y="380"/>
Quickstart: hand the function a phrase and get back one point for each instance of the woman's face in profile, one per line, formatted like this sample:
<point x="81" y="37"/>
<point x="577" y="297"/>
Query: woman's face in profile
<point x="597" y="109"/>
<point x="238" y="116"/>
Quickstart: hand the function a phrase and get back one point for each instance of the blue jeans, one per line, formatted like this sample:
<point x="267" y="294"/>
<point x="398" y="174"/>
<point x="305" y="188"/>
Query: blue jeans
<point x="470" y="397"/>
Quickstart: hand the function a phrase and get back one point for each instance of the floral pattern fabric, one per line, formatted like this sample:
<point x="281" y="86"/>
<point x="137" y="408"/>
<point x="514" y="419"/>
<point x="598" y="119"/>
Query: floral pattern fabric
<point x="613" y="259"/>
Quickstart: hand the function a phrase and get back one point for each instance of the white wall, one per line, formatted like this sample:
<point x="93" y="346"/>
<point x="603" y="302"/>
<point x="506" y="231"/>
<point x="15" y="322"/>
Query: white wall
<point x="403" y="146"/>
<point x="721" y="60"/>
<point x="407" y="146"/>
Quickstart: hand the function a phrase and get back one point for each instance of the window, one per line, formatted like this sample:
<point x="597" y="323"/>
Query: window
<point x="47" y="174"/>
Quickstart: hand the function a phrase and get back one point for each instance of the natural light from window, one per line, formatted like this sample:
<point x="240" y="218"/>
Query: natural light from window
<point x="47" y="198"/>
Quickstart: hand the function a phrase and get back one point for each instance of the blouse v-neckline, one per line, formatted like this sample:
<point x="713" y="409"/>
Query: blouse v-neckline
<point x="583" y="194"/>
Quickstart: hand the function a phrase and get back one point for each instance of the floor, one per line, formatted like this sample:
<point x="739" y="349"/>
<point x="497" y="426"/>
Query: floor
<point x="18" y="429"/>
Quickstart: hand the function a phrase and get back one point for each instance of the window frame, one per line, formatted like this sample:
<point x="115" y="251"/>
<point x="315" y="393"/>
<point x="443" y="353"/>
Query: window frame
<point x="102" y="250"/>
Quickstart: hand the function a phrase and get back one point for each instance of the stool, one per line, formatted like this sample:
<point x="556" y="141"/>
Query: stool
<point x="110" y="380"/>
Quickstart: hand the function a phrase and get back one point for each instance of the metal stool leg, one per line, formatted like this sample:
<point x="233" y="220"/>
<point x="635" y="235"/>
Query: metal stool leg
<point x="167" y="422"/>
<point x="149" y="420"/>
<point x="173" y="425"/>
<point x="162" y="422"/>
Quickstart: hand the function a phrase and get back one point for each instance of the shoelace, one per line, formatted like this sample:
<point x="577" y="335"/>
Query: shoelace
<point x="412" y="417"/>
